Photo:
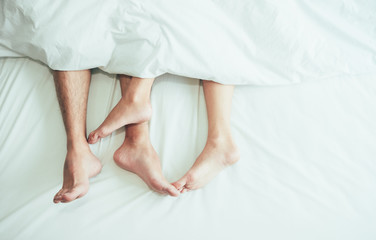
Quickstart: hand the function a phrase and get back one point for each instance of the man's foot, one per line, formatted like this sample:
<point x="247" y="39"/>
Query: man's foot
<point x="217" y="155"/>
<point x="127" y="111"/>
<point x="80" y="165"/>
<point x="140" y="158"/>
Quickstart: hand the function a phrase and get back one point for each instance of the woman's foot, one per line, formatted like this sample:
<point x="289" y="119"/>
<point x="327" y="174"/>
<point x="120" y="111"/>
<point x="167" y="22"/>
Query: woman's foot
<point x="80" y="165"/>
<point x="138" y="156"/>
<point x="217" y="155"/>
<point x="128" y="110"/>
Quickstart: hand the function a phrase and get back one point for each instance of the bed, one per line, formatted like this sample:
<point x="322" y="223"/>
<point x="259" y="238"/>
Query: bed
<point x="307" y="167"/>
<point x="303" y="117"/>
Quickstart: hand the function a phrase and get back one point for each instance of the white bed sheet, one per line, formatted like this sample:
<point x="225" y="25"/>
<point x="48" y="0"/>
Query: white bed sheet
<point x="307" y="168"/>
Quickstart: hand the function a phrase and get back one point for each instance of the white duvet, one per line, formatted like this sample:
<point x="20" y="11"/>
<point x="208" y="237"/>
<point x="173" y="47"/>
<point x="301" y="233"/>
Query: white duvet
<point x="234" y="42"/>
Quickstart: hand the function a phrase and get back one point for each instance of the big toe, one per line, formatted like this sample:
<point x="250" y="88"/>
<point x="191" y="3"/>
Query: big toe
<point x="93" y="137"/>
<point x="58" y="196"/>
<point x="73" y="194"/>
<point x="171" y="190"/>
<point x="163" y="187"/>
<point x="179" y="185"/>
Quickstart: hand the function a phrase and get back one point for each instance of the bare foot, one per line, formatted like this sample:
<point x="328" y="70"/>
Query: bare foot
<point x="217" y="155"/>
<point x="80" y="165"/>
<point x="127" y="111"/>
<point x="140" y="158"/>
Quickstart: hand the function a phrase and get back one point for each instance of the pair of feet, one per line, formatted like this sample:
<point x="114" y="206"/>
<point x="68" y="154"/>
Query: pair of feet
<point x="137" y="155"/>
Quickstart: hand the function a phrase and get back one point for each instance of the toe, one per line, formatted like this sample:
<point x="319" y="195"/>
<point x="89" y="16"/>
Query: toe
<point x="161" y="186"/>
<point x="184" y="190"/>
<point x="157" y="185"/>
<point x="57" y="197"/>
<point x="171" y="190"/>
<point x="68" y="197"/>
<point x="180" y="183"/>
<point x="73" y="194"/>
<point x="93" y="137"/>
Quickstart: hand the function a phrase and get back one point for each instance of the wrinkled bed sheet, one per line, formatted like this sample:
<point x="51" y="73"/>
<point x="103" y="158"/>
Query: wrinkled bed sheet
<point x="307" y="168"/>
<point x="265" y="42"/>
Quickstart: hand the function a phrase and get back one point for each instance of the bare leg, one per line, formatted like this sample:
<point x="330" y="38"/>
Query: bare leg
<point x="137" y="154"/>
<point x="80" y="164"/>
<point x="220" y="150"/>
<point x="133" y="107"/>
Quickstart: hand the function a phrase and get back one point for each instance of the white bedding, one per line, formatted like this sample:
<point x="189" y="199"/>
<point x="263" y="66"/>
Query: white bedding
<point x="265" y="42"/>
<point x="307" y="168"/>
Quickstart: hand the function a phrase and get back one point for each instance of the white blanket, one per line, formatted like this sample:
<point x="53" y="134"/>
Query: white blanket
<point x="235" y="42"/>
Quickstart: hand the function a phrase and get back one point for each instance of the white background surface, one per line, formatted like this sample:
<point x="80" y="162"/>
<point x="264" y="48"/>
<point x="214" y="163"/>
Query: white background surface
<point x="307" y="168"/>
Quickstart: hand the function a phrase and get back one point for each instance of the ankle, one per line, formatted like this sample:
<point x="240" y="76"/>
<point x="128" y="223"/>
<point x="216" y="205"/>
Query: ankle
<point x="219" y="138"/>
<point x="226" y="146"/>
<point x="77" y="145"/>
<point x="137" y="139"/>
<point x="135" y="97"/>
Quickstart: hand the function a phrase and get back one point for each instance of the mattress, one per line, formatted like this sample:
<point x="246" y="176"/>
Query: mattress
<point x="307" y="167"/>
